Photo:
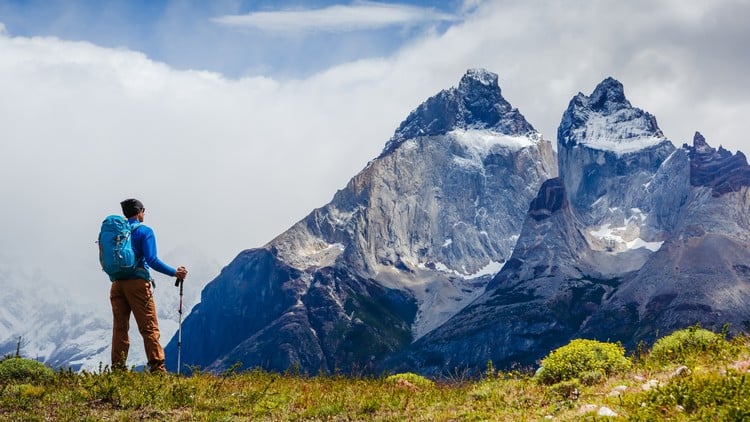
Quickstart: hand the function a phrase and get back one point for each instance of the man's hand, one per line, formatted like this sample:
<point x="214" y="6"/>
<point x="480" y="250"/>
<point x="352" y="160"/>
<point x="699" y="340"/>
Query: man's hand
<point x="181" y="273"/>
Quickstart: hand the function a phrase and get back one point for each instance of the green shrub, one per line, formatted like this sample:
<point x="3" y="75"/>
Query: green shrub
<point x="582" y="358"/>
<point x="592" y="377"/>
<point x="411" y="378"/>
<point x="24" y="371"/>
<point x="684" y="346"/>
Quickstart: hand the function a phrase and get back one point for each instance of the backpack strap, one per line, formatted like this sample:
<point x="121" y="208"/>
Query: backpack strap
<point x="139" y="260"/>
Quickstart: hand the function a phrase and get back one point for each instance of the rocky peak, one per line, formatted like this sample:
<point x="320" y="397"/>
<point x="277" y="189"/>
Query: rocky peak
<point x="717" y="169"/>
<point x="478" y="79"/>
<point x="477" y="103"/>
<point x="604" y="143"/>
<point x="607" y="121"/>
<point x="608" y="97"/>
<point x="700" y="146"/>
<point x="551" y="198"/>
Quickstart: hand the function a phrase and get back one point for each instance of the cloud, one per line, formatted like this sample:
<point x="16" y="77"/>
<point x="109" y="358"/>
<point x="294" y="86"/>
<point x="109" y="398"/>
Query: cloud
<point x="221" y="164"/>
<point x="362" y="15"/>
<point x="226" y="164"/>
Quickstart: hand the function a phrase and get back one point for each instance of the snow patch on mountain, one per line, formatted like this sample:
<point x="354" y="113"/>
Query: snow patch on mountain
<point x="483" y="142"/>
<point x="482" y="76"/>
<point x="607" y="134"/>
<point x="615" y="239"/>
<point x="492" y="268"/>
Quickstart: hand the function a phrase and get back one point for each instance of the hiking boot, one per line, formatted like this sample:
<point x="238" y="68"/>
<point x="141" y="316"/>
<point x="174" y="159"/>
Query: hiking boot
<point x="157" y="367"/>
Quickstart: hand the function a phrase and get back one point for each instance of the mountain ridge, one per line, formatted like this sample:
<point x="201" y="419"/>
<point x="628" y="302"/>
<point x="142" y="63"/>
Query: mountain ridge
<point x="417" y="235"/>
<point x="603" y="244"/>
<point x="469" y="240"/>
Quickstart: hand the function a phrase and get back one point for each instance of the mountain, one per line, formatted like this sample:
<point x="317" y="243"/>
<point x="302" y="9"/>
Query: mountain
<point x="469" y="240"/>
<point x="58" y="326"/>
<point x="634" y="238"/>
<point x="59" y="333"/>
<point x="701" y="274"/>
<point x="409" y="242"/>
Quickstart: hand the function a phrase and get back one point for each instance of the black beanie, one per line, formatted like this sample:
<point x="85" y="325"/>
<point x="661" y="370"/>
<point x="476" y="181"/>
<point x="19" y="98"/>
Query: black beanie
<point x="131" y="207"/>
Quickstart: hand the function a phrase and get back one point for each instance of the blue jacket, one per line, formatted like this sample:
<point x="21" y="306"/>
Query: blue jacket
<point x="144" y="246"/>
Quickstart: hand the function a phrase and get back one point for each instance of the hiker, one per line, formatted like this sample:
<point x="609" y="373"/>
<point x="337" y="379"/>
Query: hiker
<point x="134" y="294"/>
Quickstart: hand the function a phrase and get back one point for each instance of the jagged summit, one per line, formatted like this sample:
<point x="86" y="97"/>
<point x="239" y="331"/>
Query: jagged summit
<point x="480" y="76"/>
<point x="608" y="97"/>
<point x="595" y="134"/>
<point x="477" y="103"/>
<point x="717" y="169"/>
<point x="607" y="121"/>
<point x="700" y="145"/>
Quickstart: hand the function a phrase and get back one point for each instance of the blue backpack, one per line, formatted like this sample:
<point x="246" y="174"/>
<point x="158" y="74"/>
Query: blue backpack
<point x="115" y="249"/>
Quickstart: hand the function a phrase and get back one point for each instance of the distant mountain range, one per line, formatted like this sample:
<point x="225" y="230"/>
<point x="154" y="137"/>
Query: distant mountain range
<point x="463" y="243"/>
<point x="56" y="326"/>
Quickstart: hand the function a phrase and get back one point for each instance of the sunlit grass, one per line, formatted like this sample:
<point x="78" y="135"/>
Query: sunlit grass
<point x="649" y="390"/>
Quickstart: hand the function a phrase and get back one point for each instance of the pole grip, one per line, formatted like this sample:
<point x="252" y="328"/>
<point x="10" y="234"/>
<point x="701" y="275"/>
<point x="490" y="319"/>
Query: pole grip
<point x="178" y="282"/>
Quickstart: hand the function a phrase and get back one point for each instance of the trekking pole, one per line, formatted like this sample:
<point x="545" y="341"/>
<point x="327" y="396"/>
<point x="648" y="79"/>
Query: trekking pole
<point x="179" y="282"/>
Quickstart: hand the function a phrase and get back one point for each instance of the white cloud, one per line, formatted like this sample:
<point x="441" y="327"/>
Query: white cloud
<point x="221" y="164"/>
<point x="226" y="164"/>
<point x="357" y="16"/>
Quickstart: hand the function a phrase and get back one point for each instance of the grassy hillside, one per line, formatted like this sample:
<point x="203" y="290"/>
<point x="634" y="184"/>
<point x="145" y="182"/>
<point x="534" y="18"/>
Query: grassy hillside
<point x="690" y="375"/>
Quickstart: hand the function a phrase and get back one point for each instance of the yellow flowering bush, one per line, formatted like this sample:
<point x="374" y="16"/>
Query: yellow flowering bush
<point x="580" y="359"/>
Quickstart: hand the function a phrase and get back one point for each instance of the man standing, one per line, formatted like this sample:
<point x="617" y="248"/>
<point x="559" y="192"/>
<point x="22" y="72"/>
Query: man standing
<point x="134" y="294"/>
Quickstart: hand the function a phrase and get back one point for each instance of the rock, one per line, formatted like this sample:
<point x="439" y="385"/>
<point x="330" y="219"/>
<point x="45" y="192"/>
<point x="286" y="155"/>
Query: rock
<point x="719" y="170"/>
<point x="650" y="384"/>
<point x="681" y="371"/>
<point x="741" y="365"/>
<point x="617" y="391"/>
<point x="586" y="408"/>
<point x="606" y="411"/>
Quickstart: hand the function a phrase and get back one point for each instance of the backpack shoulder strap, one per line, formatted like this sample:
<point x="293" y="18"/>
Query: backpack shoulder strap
<point x="139" y="260"/>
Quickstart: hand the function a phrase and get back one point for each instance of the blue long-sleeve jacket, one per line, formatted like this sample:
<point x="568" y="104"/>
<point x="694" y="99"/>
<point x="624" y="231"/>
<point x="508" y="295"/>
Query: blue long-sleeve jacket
<point x="144" y="245"/>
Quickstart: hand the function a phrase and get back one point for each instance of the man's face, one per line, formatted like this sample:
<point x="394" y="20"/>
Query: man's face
<point x="141" y="215"/>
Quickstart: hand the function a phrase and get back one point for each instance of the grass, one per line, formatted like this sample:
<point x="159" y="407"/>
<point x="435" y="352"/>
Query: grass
<point x="714" y="386"/>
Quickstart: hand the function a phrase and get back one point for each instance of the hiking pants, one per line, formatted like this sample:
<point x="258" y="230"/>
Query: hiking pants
<point x="135" y="296"/>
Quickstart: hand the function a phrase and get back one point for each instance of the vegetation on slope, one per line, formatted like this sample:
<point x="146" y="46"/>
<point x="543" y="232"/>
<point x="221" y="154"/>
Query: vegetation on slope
<point x="691" y="374"/>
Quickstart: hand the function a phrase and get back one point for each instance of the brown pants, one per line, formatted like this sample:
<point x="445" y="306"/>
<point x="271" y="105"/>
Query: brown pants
<point x="135" y="296"/>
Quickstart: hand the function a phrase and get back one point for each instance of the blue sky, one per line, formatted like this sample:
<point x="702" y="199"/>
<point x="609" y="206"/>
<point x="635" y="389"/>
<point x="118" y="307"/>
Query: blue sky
<point x="245" y="116"/>
<point x="210" y="35"/>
